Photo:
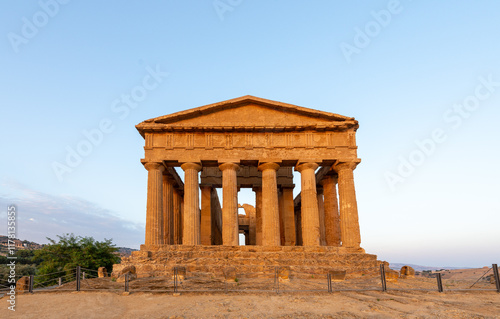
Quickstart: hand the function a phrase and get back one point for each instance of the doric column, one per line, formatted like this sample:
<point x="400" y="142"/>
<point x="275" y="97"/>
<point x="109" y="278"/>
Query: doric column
<point x="206" y="215"/>
<point x="270" y="209"/>
<point x="309" y="205"/>
<point x="177" y="217"/>
<point x="281" y="217"/>
<point x="229" y="204"/>
<point x="252" y="228"/>
<point x="258" y="215"/>
<point x="154" y="210"/>
<point x="288" y="216"/>
<point x="321" y="211"/>
<point x="332" y="220"/>
<point x="191" y="229"/>
<point x="349" y="224"/>
<point x="168" y="209"/>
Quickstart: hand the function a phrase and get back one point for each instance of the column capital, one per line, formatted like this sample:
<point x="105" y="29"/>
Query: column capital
<point x="303" y="166"/>
<point x="339" y="166"/>
<point x="229" y="165"/>
<point x="168" y="177"/>
<point x="187" y="166"/>
<point x="269" y="165"/>
<point x="154" y="166"/>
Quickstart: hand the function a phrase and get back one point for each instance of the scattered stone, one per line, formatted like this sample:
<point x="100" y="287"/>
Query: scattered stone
<point x="407" y="272"/>
<point x="489" y="278"/>
<point x="102" y="272"/>
<point x="129" y="269"/>
<point x="338" y="275"/>
<point x="181" y="273"/>
<point x="130" y="277"/>
<point x="22" y="284"/>
<point x="284" y="273"/>
<point x="391" y="275"/>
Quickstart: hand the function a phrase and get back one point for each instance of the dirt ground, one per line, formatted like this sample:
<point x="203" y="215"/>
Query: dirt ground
<point x="365" y="304"/>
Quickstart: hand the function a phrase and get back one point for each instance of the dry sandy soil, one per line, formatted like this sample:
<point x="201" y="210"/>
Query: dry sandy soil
<point x="366" y="304"/>
<point x="104" y="298"/>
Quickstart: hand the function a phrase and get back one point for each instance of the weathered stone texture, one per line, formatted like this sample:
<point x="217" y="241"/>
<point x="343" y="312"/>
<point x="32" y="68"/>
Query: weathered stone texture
<point x="102" y="272"/>
<point x="249" y="142"/>
<point x="22" y="284"/>
<point x="407" y="272"/>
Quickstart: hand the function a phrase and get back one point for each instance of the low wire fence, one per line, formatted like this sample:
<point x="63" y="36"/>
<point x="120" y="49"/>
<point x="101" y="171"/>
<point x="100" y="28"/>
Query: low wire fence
<point x="272" y="279"/>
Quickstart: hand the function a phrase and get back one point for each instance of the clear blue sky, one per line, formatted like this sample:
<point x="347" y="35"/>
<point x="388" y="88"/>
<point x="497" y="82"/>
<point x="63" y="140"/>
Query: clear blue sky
<point x="411" y="72"/>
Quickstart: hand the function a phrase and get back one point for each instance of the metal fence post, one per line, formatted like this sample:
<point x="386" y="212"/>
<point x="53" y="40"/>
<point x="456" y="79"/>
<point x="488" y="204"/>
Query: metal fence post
<point x="77" y="278"/>
<point x="382" y="277"/>
<point x="225" y="281"/>
<point x="497" y="277"/>
<point x="126" y="282"/>
<point x="439" y="282"/>
<point x="175" y="279"/>
<point x="60" y="281"/>
<point x="83" y="275"/>
<point x="277" y="280"/>
<point x="329" y="279"/>
<point x="31" y="284"/>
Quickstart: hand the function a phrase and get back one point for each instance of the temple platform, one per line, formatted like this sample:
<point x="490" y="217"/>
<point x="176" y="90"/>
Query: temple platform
<point x="160" y="260"/>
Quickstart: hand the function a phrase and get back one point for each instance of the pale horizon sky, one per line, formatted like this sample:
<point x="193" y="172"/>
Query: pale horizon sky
<point x="422" y="78"/>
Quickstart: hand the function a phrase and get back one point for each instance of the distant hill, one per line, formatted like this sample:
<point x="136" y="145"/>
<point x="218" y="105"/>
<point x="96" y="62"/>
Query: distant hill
<point x="17" y="244"/>
<point x="397" y="266"/>
<point x="26" y="244"/>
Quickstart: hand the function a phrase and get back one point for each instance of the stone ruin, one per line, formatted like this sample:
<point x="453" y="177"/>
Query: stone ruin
<point x="102" y="272"/>
<point x="407" y="272"/>
<point x="22" y="284"/>
<point x="254" y="143"/>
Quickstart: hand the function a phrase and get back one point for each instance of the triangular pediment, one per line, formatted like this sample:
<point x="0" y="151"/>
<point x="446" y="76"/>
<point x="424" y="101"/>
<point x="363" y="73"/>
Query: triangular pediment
<point x="247" y="112"/>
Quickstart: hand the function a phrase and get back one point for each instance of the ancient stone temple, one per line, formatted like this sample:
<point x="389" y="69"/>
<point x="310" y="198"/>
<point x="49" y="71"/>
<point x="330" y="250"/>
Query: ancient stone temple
<point x="250" y="142"/>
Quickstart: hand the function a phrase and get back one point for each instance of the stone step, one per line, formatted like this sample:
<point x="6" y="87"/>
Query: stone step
<point x="263" y="261"/>
<point x="250" y="260"/>
<point x="257" y="271"/>
<point x="269" y="255"/>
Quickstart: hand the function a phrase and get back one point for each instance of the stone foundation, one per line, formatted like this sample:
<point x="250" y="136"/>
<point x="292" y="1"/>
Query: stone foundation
<point x="256" y="260"/>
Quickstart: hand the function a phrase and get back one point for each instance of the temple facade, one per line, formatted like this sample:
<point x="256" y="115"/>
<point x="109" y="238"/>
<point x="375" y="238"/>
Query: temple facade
<point x="250" y="142"/>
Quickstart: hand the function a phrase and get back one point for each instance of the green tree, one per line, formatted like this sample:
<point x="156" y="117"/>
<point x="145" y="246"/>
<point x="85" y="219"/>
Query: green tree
<point x="58" y="259"/>
<point x="25" y="265"/>
<point x="21" y="270"/>
<point x="23" y="257"/>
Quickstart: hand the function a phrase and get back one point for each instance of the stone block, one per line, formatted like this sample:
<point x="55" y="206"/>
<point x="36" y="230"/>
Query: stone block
<point x="128" y="269"/>
<point x="131" y="270"/>
<point x="407" y="272"/>
<point x="258" y="260"/>
<point x="130" y="277"/>
<point x="284" y="273"/>
<point x="391" y="275"/>
<point x="102" y="272"/>
<point x="338" y="275"/>
<point x="141" y="253"/>
<point x="181" y="273"/>
<point x="22" y="284"/>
